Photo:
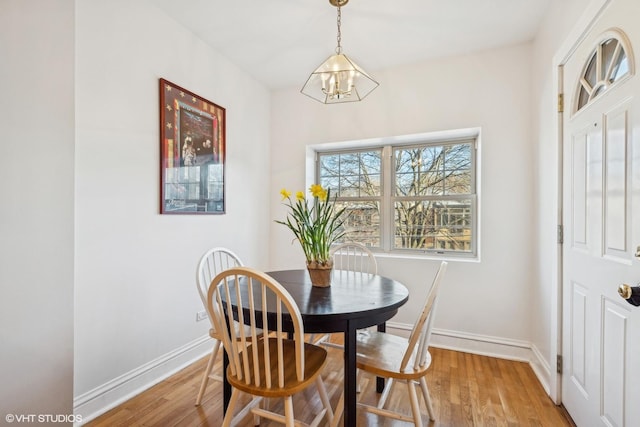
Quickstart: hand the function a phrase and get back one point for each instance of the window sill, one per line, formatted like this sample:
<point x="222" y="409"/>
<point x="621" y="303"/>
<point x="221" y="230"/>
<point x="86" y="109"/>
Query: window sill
<point x="427" y="256"/>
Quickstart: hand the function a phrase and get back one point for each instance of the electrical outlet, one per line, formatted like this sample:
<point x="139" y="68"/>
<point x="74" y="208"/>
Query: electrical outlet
<point x="201" y="315"/>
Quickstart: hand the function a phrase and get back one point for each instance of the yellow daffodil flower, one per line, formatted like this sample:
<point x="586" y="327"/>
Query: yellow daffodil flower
<point x="316" y="190"/>
<point x="300" y="195"/>
<point x="323" y="195"/>
<point x="285" y="194"/>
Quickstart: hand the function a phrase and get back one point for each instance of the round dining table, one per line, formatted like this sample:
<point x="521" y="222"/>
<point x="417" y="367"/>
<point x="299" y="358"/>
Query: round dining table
<point x="353" y="301"/>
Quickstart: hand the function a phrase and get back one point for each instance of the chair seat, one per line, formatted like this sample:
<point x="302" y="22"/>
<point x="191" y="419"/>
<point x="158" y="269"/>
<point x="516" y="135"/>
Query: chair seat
<point x="315" y="358"/>
<point x="381" y="353"/>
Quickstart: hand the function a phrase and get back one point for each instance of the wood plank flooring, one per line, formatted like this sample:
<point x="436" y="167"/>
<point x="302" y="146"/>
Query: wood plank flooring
<point x="466" y="390"/>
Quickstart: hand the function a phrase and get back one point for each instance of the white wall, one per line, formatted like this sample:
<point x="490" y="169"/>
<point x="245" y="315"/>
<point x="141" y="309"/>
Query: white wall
<point x="490" y="90"/>
<point x="559" y="20"/>
<point x="36" y="218"/>
<point x="136" y="299"/>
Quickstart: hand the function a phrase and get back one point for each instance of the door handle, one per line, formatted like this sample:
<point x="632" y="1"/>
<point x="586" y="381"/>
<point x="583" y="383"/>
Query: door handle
<point x="630" y="293"/>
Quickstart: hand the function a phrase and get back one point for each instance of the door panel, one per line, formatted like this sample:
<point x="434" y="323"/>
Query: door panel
<point x="579" y="190"/>
<point x="613" y="366"/>
<point x="615" y="189"/>
<point x="579" y="337"/>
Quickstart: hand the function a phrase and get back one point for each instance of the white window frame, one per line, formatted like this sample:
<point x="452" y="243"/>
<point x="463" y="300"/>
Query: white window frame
<point x="387" y="213"/>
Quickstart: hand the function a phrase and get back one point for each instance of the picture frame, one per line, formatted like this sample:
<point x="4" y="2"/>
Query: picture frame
<point x="192" y="152"/>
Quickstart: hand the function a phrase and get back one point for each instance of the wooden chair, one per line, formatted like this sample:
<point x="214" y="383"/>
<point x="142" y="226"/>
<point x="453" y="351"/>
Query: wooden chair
<point x="402" y="359"/>
<point x="355" y="258"/>
<point x="211" y="263"/>
<point x="264" y="366"/>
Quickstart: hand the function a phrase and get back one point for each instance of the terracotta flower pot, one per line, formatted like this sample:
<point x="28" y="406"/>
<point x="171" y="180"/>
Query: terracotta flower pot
<point x="320" y="274"/>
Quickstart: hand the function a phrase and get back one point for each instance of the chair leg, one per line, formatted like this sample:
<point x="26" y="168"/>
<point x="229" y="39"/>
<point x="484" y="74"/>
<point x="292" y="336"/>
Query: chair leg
<point x="322" y="391"/>
<point x="207" y="372"/>
<point x="256" y="417"/>
<point x="427" y="398"/>
<point x="359" y="376"/>
<point x="386" y="392"/>
<point x="337" y="415"/>
<point x="231" y="408"/>
<point x="415" y="405"/>
<point x="288" y="412"/>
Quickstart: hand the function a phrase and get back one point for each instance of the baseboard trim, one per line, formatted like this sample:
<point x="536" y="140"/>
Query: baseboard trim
<point x="542" y="369"/>
<point x="485" y="345"/>
<point x="111" y="394"/>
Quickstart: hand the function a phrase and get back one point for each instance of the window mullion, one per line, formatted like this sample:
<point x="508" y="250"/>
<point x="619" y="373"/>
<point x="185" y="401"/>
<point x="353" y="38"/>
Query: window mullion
<point x="386" y="209"/>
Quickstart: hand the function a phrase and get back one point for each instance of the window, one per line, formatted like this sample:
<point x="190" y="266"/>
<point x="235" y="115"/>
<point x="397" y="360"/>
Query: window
<point x="355" y="177"/>
<point x="418" y="198"/>
<point x="607" y="64"/>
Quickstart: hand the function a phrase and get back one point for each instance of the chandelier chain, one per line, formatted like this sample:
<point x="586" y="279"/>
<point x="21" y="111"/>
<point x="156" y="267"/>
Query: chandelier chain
<point x="339" y="48"/>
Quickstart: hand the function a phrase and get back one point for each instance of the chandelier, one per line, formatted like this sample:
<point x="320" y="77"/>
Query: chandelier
<point x="339" y="79"/>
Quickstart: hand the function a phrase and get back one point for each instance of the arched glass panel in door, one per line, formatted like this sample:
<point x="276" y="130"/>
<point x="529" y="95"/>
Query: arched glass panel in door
<point x="609" y="63"/>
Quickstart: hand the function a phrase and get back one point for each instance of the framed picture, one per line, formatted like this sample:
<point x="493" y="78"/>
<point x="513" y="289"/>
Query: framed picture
<point x="192" y="152"/>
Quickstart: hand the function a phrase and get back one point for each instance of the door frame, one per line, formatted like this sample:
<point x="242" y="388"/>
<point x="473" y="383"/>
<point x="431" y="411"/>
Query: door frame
<point x="576" y="36"/>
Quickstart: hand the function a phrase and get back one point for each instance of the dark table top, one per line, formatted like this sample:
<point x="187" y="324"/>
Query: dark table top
<point x="361" y="299"/>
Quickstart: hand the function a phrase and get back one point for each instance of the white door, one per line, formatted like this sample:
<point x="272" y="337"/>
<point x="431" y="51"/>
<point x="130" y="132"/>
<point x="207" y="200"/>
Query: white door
<point x="601" y="217"/>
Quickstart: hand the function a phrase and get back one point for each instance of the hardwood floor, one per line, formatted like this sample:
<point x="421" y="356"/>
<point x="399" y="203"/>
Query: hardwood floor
<point x="466" y="390"/>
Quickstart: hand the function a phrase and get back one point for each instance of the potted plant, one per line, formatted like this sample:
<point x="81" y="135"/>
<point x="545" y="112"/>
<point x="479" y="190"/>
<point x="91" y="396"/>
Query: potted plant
<point x="316" y="225"/>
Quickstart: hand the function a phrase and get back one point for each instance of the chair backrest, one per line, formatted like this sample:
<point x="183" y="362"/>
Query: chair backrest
<point x="211" y="263"/>
<point x="356" y="257"/>
<point x="421" y="332"/>
<point x="248" y="352"/>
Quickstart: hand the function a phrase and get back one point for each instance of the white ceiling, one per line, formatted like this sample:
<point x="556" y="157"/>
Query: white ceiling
<point x="279" y="42"/>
